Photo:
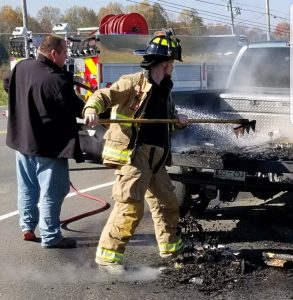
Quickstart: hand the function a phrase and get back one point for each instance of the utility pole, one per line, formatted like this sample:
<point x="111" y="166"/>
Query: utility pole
<point x="268" y="20"/>
<point x="24" y="23"/>
<point x="232" y="16"/>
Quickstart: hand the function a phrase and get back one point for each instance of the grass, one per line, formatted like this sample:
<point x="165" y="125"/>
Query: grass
<point x="3" y="95"/>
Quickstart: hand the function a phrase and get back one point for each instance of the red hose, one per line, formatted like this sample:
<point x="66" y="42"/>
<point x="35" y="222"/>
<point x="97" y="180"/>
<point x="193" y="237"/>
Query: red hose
<point x="105" y="206"/>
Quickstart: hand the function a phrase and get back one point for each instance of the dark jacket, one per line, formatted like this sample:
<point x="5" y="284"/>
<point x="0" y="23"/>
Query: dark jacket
<point x="42" y="110"/>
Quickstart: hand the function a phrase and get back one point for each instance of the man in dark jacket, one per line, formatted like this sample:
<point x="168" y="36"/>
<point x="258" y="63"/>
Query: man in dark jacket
<point x="42" y="129"/>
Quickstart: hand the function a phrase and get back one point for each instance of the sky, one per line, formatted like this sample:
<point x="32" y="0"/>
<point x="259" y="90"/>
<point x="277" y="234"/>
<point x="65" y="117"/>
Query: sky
<point x="212" y="11"/>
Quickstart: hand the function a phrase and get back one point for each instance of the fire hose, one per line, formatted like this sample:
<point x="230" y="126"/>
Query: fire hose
<point x="105" y="206"/>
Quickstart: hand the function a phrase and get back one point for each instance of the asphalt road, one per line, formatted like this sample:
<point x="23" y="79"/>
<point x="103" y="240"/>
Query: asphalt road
<point x="30" y="272"/>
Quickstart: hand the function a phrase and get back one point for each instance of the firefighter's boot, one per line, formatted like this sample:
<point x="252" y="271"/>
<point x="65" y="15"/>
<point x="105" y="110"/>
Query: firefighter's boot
<point x="113" y="268"/>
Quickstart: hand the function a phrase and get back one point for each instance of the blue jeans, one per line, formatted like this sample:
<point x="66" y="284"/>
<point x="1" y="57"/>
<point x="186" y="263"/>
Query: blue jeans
<point x="45" y="181"/>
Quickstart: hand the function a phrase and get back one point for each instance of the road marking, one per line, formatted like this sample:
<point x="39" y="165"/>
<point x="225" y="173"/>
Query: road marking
<point x="14" y="213"/>
<point x="96" y="187"/>
<point x="3" y="132"/>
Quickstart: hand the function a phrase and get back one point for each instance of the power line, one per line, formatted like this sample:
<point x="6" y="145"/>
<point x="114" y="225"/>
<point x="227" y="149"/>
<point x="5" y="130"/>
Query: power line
<point x="243" y="9"/>
<point x="261" y="8"/>
<point x="176" y="11"/>
<point x="220" y="17"/>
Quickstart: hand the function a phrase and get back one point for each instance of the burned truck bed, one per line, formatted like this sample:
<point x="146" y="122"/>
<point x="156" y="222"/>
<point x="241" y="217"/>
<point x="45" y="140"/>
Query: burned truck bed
<point x="270" y="158"/>
<point x="210" y="161"/>
<point x="255" y="169"/>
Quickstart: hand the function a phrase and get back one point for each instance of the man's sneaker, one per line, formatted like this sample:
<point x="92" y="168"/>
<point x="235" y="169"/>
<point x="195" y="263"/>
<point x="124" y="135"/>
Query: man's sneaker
<point x="65" y="243"/>
<point x="113" y="269"/>
<point x="29" y="236"/>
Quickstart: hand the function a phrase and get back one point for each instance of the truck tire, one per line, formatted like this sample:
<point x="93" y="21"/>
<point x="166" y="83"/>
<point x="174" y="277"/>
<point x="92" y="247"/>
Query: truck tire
<point x="182" y="194"/>
<point x="194" y="204"/>
<point x="199" y="204"/>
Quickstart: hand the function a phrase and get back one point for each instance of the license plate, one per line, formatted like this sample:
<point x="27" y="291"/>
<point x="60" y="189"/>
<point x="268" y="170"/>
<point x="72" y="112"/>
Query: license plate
<point x="227" y="174"/>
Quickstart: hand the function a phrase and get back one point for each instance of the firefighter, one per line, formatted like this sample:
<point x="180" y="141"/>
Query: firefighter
<point x="139" y="152"/>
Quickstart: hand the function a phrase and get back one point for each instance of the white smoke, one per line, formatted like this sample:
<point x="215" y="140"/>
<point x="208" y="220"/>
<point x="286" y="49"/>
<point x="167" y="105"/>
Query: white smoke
<point x="221" y="136"/>
<point x="69" y="273"/>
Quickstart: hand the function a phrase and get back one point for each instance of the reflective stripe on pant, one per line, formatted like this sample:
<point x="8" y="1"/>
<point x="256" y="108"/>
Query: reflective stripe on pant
<point x="165" y="215"/>
<point x="129" y="191"/>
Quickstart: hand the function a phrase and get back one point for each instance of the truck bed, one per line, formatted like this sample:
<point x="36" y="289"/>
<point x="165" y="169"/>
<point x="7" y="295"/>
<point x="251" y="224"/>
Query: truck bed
<point x="215" y="146"/>
<point x="266" y="159"/>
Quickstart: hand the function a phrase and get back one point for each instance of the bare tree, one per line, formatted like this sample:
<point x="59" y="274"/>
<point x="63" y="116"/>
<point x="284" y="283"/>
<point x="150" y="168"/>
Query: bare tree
<point x="48" y="17"/>
<point x="155" y="15"/>
<point x="191" y="23"/>
<point x="218" y="29"/>
<point x="113" y="8"/>
<point x="80" y="16"/>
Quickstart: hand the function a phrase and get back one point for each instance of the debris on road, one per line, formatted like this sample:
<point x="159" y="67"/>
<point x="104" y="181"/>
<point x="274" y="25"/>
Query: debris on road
<point x="210" y="267"/>
<point x="277" y="259"/>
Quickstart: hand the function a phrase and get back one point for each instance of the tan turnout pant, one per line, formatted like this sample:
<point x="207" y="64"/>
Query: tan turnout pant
<point x="133" y="184"/>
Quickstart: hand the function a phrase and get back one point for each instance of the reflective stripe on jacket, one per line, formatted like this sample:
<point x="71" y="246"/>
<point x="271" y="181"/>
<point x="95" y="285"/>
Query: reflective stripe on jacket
<point x="128" y="98"/>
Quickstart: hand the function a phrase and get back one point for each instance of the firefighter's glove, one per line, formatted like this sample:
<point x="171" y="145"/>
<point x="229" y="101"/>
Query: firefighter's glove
<point x="90" y="117"/>
<point x="182" y="121"/>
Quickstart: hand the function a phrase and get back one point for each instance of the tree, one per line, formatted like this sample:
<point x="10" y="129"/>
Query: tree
<point x="79" y="16"/>
<point x="112" y="8"/>
<point x="255" y="35"/>
<point x="155" y="15"/>
<point x="282" y="31"/>
<point x="48" y="17"/>
<point x="9" y="19"/>
<point x="191" y="22"/>
<point x="217" y="29"/>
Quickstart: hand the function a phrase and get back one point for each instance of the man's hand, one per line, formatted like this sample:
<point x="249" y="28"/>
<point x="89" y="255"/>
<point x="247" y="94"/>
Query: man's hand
<point x="182" y="121"/>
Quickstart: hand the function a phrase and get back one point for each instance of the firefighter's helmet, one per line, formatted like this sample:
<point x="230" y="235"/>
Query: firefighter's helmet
<point x="162" y="47"/>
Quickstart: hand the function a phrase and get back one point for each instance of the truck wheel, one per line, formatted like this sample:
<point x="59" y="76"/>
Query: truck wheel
<point x="189" y="201"/>
<point x="183" y="195"/>
<point x="199" y="204"/>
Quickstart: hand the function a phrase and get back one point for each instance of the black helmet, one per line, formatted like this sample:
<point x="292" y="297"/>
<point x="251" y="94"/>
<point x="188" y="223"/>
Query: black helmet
<point x="162" y="47"/>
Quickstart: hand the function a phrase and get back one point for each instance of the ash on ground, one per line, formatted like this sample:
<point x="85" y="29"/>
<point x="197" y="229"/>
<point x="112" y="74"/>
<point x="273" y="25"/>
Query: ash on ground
<point x="207" y="266"/>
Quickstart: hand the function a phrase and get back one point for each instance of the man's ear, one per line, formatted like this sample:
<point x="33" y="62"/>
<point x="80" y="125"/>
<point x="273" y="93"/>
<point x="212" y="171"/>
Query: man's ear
<point x="53" y="54"/>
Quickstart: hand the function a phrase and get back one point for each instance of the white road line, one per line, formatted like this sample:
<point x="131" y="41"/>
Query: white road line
<point x="14" y="213"/>
<point x="96" y="187"/>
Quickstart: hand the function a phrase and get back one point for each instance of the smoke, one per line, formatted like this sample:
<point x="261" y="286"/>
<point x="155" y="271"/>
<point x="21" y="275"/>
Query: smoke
<point x="220" y="136"/>
<point x="257" y="89"/>
<point x="69" y="273"/>
<point x="142" y="273"/>
<point x="260" y="69"/>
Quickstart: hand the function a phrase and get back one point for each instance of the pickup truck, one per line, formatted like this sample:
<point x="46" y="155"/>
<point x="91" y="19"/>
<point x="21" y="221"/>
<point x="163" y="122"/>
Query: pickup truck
<point x="209" y="161"/>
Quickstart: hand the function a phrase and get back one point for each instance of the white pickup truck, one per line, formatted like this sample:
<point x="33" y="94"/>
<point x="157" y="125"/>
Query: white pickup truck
<point x="210" y="161"/>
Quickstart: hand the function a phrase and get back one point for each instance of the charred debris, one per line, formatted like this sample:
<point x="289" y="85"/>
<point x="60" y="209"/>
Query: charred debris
<point x="211" y="268"/>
